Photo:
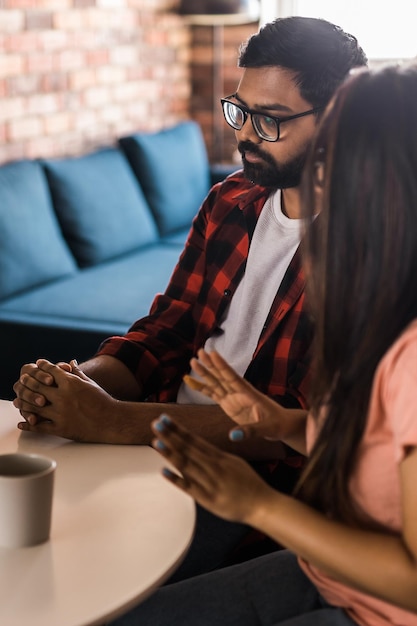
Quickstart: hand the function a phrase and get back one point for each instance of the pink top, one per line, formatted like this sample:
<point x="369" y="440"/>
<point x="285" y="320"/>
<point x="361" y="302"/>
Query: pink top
<point x="375" y="485"/>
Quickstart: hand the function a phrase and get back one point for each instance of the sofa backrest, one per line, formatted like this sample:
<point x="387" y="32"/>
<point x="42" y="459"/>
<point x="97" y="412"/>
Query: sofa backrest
<point x="28" y="227"/>
<point x="100" y="206"/>
<point x="173" y="170"/>
<point x="57" y="215"/>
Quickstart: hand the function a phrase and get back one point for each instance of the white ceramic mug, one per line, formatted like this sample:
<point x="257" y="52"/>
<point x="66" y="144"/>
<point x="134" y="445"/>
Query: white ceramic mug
<point x="26" y="493"/>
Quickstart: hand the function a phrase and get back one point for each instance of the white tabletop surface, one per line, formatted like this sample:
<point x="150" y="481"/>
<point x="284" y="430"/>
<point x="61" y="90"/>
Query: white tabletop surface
<point x="118" y="530"/>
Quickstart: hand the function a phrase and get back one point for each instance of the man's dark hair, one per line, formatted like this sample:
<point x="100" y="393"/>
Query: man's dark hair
<point x="320" y="53"/>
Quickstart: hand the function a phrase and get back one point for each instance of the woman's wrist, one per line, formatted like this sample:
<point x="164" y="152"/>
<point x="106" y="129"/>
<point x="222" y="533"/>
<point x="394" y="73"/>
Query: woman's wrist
<point x="259" y="515"/>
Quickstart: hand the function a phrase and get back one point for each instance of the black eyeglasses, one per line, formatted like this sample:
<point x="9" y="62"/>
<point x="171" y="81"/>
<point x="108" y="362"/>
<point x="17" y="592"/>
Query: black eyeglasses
<point x="265" y="126"/>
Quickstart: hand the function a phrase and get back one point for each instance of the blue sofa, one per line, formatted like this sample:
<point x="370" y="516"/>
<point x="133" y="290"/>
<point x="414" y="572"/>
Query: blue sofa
<point x="87" y="242"/>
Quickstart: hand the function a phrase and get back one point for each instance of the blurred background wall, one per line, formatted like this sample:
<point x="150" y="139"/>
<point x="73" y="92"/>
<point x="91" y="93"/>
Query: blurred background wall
<point x="76" y="74"/>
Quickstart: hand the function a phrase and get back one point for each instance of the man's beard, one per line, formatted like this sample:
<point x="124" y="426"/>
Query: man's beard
<point x="269" y="173"/>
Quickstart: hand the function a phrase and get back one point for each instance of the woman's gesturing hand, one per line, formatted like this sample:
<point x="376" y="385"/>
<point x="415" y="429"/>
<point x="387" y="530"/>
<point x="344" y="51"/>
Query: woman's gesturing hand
<point x="244" y="404"/>
<point x="222" y="483"/>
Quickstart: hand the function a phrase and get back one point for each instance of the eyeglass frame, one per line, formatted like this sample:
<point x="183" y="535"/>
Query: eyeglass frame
<point x="250" y="112"/>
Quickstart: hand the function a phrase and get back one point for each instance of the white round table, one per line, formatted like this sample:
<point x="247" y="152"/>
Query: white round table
<point x="119" y="529"/>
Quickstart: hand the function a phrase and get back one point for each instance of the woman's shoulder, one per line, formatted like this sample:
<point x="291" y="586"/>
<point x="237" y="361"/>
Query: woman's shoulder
<point x="397" y="373"/>
<point x="404" y="348"/>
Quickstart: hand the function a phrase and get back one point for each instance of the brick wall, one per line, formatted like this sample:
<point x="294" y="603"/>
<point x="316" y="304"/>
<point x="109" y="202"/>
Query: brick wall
<point x="75" y="74"/>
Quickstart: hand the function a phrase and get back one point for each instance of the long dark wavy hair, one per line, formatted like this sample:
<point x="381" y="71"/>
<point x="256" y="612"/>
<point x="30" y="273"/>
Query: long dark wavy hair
<point x="361" y="263"/>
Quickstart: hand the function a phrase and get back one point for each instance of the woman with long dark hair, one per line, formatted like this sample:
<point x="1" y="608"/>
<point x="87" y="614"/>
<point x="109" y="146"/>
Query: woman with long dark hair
<point x="350" y="529"/>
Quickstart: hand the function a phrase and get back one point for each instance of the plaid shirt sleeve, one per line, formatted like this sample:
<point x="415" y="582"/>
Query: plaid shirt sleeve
<point x="157" y="348"/>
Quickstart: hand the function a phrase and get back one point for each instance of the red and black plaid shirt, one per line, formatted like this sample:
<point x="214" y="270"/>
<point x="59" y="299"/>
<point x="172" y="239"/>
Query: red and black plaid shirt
<point x="158" y="348"/>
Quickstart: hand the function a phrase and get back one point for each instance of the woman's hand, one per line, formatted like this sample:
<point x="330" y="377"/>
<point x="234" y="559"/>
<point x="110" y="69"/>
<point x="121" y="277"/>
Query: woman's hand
<point x="222" y="483"/>
<point x="245" y="405"/>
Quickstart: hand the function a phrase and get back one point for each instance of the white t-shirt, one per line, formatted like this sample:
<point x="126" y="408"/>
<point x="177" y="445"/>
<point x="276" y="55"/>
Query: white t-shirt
<point x="275" y="240"/>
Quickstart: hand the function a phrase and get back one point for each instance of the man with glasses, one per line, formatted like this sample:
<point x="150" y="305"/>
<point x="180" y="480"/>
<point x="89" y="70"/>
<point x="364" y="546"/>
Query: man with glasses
<point x="238" y="286"/>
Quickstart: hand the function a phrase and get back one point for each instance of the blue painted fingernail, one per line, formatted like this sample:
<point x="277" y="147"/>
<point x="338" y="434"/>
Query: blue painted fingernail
<point x="163" y="421"/>
<point x="236" y="435"/>
<point x="166" y="472"/>
<point x="160" y="445"/>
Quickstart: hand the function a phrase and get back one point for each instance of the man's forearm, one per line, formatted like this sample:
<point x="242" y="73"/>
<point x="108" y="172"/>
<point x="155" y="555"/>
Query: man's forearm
<point x="132" y="424"/>
<point x="113" y="376"/>
<point x="208" y="421"/>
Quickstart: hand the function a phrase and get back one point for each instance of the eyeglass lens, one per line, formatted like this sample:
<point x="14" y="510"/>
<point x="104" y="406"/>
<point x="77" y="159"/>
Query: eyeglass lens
<point x="234" y="115"/>
<point x="265" y="126"/>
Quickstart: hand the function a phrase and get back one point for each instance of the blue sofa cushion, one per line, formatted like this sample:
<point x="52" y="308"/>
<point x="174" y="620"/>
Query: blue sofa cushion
<point x="100" y="205"/>
<point x="173" y="170"/>
<point x="32" y="250"/>
<point x="100" y="298"/>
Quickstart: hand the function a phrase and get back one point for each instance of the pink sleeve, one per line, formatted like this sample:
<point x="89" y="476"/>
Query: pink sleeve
<point x="401" y="393"/>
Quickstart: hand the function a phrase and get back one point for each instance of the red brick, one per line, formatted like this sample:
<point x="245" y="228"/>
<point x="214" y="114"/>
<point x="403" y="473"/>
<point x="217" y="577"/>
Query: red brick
<point x="52" y="40"/>
<point x="38" y="20"/>
<point x="11" y="65"/>
<point x="110" y="75"/>
<point x="112" y="114"/>
<point x="70" y="59"/>
<point x="114" y="4"/>
<point x="21" y="42"/>
<point x="37" y="4"/>
<point x="96" y="96"/>
<point x="12" y="150"/>
<point x="58" y="123"/>
<point x="84" y="119"/>
<point x="18" y="4"/>
<point x="131" y="92"/>
<point x="123" y="19"/>
<point x="73" y="101"/>
<point x="135" y="73"/>
<point x="12" y="108"/>
<point x="82" y="79"/>
<point x="84" y="40"/>
<point x="11" y="21"/>
<point x="68" y="20"/>
<point x="24" y="128"/>
<point x="55" y="5"/>
<point x="84" y="3"/>
<point x="44" y="104"/>
<point x="99" y="56"/>
<point x="125" y="55"/>
<point x="54" y="81"/>
<point x="42" y="146"/>
<point x="23" y="85"/>
<point x="41" y="62"/>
